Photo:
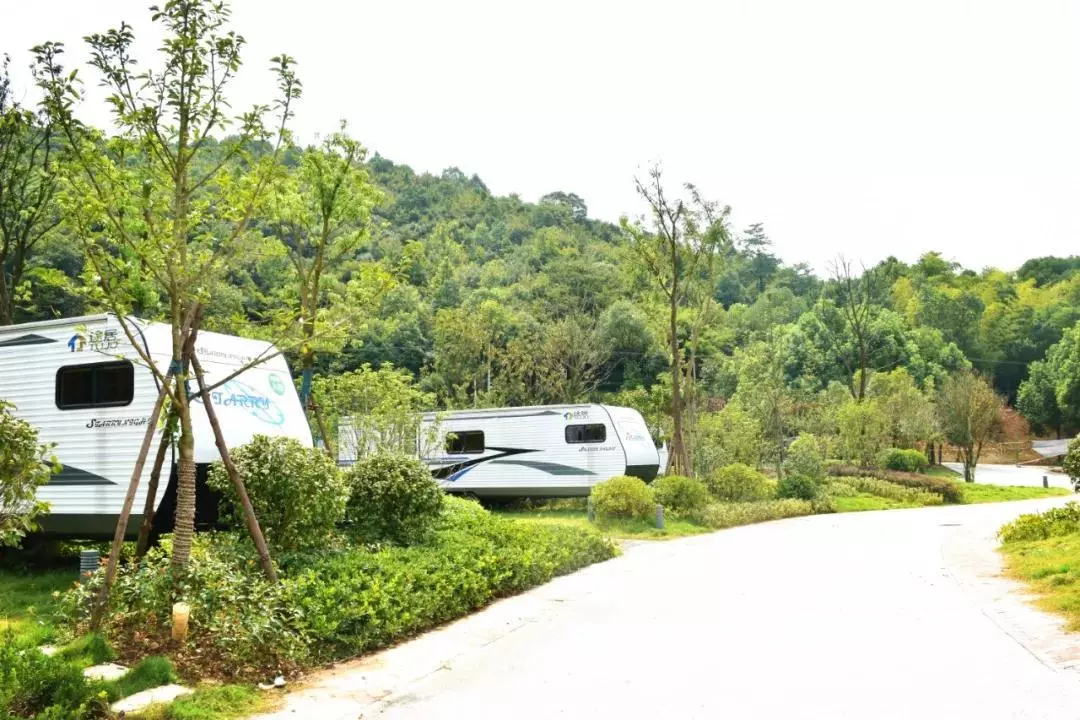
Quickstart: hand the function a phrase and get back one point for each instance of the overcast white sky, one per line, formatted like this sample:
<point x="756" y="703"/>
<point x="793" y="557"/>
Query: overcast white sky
<point x="861" y="127"/>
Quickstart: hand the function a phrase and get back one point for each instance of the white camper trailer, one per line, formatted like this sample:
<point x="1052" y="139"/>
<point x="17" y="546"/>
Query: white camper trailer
<point x="83" y="386"/>
<point x="543" y="451"/>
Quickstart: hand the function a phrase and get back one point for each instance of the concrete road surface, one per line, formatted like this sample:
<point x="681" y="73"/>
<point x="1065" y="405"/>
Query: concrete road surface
<point x="1012" y="475"/>
<point x="870" y="615"/>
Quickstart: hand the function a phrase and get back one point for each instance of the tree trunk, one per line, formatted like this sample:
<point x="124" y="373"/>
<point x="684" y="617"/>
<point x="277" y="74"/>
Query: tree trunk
<point x="184" y="530"/>
<point x="678" y="447"/>
<point x="234" y="474"/>
<point x="151" y="491"/>
<point x="321" y="422"/>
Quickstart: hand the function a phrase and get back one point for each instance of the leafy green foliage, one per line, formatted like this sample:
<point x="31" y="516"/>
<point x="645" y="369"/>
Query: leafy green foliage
<point x="240" y="623"/>
<point x="804" y="469"/>
<point x="740" y="483"/>
<point x="1054" y="522"/>
<point x="679" y="494"/>
<point x="724" y="515"/>
<point x="220" y="702"/>
<point x="25" y="465"/>
<point x="863" y="432"/>
<point x="624" y="497"/>
<point x="913" y="461"/>
<point x="297" y="492"/>
<point x="393" y="499"/>
<point x="357" y="600"/>
<point x="1071" y="464"/>
<point x="33" y="685"/>
<point x="726" y="437"/>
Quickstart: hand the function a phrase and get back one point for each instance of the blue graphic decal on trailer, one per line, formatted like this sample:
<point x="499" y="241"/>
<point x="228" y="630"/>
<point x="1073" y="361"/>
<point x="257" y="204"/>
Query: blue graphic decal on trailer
<point x="451" y="473"/>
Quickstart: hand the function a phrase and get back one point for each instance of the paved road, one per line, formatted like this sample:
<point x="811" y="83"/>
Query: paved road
<point x="853" y="616"/>
<point x="1012" y="475"/>
<point x="1051" y="448"/>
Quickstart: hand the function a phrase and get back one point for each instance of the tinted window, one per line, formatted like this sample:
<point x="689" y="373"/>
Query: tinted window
<point x="592" y="433"/>
<point x="465" y="441"/>
<point x="109" y="384"/>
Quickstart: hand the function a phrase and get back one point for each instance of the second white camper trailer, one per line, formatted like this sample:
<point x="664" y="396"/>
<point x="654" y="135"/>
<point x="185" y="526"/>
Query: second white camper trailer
<point x="81" y="384"/>
<point x="541" y="451"/>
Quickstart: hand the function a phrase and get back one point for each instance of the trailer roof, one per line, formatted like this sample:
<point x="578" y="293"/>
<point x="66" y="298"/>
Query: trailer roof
<point x="58" y="322"/>
<point x="503" y="410"/>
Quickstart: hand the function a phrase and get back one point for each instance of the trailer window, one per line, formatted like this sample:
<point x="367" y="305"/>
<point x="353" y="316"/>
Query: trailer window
<point x="465" y="441"/>
<point x="108" y="384"/>
<point x="592" y="433"/>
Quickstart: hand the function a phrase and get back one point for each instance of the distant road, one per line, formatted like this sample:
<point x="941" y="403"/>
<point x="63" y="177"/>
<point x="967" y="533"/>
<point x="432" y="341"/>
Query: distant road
<point x="1030" y="475"/>
<point x="1050" y="448"/>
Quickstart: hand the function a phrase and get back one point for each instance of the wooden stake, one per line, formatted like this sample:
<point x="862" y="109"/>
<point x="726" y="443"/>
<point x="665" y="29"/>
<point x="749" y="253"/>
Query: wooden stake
<point x="151" y="490"/>
<point x="234" y="474"/>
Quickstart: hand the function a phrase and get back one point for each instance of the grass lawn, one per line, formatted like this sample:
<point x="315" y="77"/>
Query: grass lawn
<point x="1051" y="568"/>
<point x="976" y="493"/>
<point x="215" y="702"/>
<point x="27" y="604"/>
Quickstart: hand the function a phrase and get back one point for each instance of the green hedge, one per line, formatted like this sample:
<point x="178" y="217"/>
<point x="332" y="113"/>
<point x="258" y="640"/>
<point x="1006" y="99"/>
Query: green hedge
<point x="345" y="599"/>
<point x="904" y="460"/>
<point x="33" y="685"/>
<point x="724" y="515"/>
<point x="357" y="601"/>
<point x="950" y="491"/>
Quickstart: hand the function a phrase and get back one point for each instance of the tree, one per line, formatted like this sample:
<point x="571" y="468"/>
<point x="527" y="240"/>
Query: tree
<point x="908" y="412"/>
<point x="681" y="249"/>
<point x="1050" y="397"/>
<point x="25" y="465"/>
<point x="863" y="431"/>
<point x="969" y="412"/>
<point x="1071" y="464"/>
<point x="855" y="300"/>
<point x="320" y="213"/>
<point x="28" y="179"/>
<point x="161" y="202"/>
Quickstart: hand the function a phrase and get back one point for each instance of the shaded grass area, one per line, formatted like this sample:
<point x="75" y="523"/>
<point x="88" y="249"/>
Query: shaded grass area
<point x="1051" y="568"/>
<point x="27" y="603"/>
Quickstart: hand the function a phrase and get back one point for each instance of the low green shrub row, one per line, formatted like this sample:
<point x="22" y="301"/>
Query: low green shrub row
<point x="904" y="460"/>
<point x="950" y="491"/>
<point x="357" y="601"/>
<point x="624" y="497"/>
<point x="724" y="515"/>
<point x="883" y="488"/>
<point x="1054" y="522"/>
<point x="339" y="601"/>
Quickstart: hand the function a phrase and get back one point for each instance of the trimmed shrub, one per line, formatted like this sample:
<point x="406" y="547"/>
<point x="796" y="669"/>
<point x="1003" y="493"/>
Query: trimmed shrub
<point x="1055" y="522"/>
<point x="740" y="483"/>
<point x="33" y="685"/>
<point x="947" y="489"/>
<point x="724" y="515"/>
<point x="680" y="494"/>
<point x="394" y="499"/>
<point x="913" y="461"/>
<point x="625" y="497"/>
<point x="849" y="487"/>
<point x="804" y="469"/>
<point x="297" y="492"/>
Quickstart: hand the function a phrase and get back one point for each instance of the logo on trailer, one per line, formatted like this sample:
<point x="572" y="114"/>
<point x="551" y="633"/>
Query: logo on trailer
<point x="276" y="384"/>
<point x="576" y="415"/>
<point x="77" y="342"/>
